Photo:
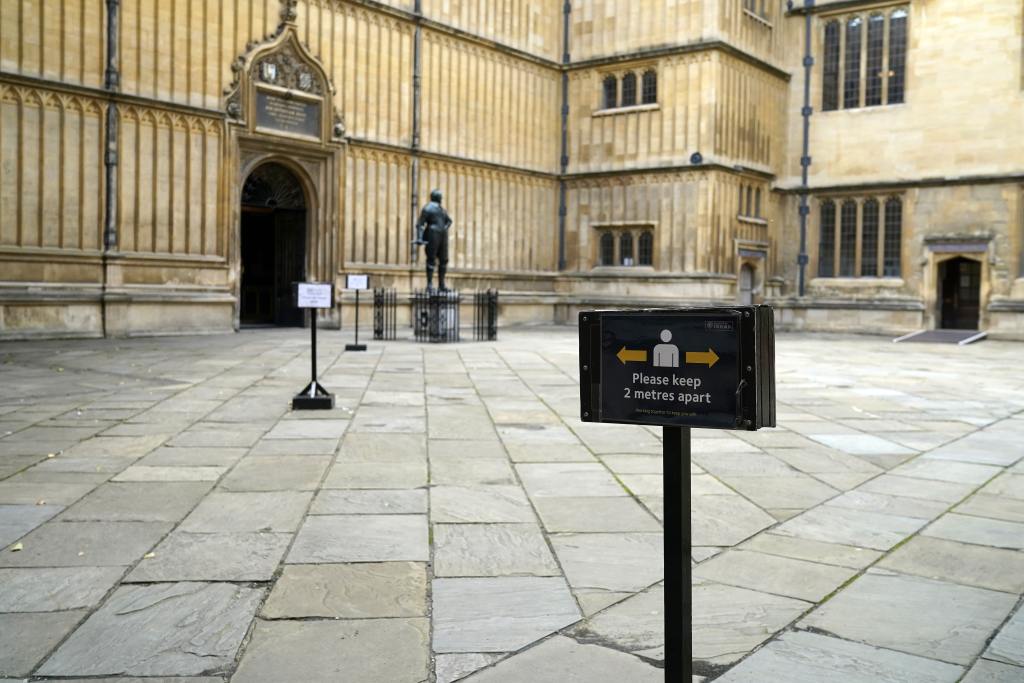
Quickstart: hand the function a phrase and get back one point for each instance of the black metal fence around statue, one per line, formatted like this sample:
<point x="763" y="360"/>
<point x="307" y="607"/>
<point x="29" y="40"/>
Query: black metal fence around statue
<point x="485" y="315"/>
<point x="435" y="315"/>
<point x="385" y="314"/>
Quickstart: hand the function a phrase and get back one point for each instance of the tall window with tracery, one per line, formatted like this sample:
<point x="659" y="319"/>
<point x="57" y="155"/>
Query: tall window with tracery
<point x="645" y="249"/>
<point x="629" y="89"/>
<point x="873" y="74"/>
<point x="607" y="249"/>
<point x="897" y="55"/>
<point x="869" y="239"/>
<point x="650" y="87"/>
<point x="830" y="79"/>
<point x="610" y="94"/>
<point x="626" y="249"/>
<point x="893" y="236"/>
<point x="827" y="239"/>
<point x="848" y="239"/>
<point x="851" y="74"/>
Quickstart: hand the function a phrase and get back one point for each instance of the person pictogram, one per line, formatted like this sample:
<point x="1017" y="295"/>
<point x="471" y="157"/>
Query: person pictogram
<point x="666" y="355"/>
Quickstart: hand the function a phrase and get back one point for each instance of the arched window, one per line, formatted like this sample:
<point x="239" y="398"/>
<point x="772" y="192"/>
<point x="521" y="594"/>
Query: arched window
<point x="869" y="239"/>
<point x="629" y="89"/>
<point x="757" y="203"/>
<point x="827" y="240"/>
<point x="645" y="249"/>
<point x="873" y="74"/>
<point x="650" y="87"/>
<point x="897" y="55"/>
<point x="851" y="75"/>
<point x="848" y="239"/>
<point x="611" y="87"/>
<point x="893" y="236"/>
<point x="830" y="79"/>
<point x="739" y="202"/>
<point x="626" y="249"/>
<point x="607" y="249"/>
<point x="750" y="204"/>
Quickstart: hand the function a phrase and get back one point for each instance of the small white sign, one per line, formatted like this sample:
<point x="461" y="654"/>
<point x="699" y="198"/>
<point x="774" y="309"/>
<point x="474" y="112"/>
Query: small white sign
<point x="313" y="295"/>
<point x="357" y="282"/>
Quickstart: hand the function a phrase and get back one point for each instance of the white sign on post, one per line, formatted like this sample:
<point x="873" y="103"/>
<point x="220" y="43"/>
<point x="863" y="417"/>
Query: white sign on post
<point x="357" y="282"/>
<point x="313" y="295"/>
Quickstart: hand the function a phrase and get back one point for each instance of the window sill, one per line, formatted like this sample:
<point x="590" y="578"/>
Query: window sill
<point x="758" y="18"/>
<point x="865" y="109"/>
<point x="627" y="110"/>
<point x="752" y="220"/>
<point x="622" y="270"/>
<point x="854" y="282"/>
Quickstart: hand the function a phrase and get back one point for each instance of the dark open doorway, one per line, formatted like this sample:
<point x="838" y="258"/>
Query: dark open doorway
<point x="273" y="246"/>
<point x="960" y="293"/>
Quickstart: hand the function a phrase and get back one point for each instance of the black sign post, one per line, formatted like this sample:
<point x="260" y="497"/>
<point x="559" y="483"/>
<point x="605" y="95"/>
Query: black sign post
<point x="313" y="295"/>
<point x="357" y="282"/>
<point x="712" y="368"/>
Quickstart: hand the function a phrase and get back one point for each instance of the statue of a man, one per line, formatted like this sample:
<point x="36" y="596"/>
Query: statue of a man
<point x="432" y="230"/>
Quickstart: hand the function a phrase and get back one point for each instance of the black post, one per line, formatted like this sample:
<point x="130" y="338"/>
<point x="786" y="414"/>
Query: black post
<point x="678" y="594"/>
<point x="805" y="158"/>
<point x="312" y="331"/>
<point x="356" y="346"/>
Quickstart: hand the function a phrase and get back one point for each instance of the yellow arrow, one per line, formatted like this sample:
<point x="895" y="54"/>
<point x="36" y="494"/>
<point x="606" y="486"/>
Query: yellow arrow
<point x="626" y="355"/>
<point x="701" y="357"/>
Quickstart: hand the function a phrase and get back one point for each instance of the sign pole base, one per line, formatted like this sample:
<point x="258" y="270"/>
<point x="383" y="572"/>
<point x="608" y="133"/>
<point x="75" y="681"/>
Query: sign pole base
<point x="355" y="347"/>
<point x="678" y="592"/>
<point x="313" y="397"/>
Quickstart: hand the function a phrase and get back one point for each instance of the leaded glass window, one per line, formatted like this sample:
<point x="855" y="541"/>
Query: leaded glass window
<point x="626" y="249"/>
<point x="851" y="71"/>
<point x="830" y="81"/>
<point x="827" y="239"/>
<point x="897" y="55"/>
<point x="629" y="90"/>
<point x="893" y="236"/>
<point x="650" y="87"/>
<point x="757" y="203"/>
<point x="869" y="239"/>
<point x="645" y="249"/>
<point x="873" y="75"/>
<point x="607" y="249"/>
<point x="848" y="239"/>
<point x="611" y="87"/>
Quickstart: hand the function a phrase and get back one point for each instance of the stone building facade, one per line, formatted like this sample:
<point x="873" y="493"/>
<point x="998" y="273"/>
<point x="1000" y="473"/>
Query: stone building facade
<point x="171" y="166"/>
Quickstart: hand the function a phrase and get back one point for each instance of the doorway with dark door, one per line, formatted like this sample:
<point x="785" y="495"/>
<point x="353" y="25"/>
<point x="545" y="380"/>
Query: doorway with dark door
<point x="959" y="293"/>
<point x="273" y="246"/>
<point x="745" y="291"/>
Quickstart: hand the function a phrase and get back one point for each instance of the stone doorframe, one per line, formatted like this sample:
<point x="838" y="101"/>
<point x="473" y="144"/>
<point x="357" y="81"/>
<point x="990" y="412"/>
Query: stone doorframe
<point x="755" y="255"/>
<point x="941" y="249"/>
<point x="280" y="109"/>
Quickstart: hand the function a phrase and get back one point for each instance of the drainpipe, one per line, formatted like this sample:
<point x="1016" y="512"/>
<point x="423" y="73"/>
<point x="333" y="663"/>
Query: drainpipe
<point x="414" y="175"/>
<point x="112" y="83"/>
<point x="564" y="160"/>
<point x="805" y="158"/>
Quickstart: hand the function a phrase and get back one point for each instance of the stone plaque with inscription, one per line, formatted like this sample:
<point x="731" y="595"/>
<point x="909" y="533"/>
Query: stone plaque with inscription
<point x="287" y="115"/>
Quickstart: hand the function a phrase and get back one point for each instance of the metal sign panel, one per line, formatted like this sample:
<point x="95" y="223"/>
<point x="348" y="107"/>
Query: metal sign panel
<point x="707" y="367"/>
<point x="314" y="294"/>
<point x="357" y="282"/>
<point x="286" y="113"/>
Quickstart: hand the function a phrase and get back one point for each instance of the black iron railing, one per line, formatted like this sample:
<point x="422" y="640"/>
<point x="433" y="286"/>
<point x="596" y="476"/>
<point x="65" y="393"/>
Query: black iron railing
<point x="385" y="313"/>
<point x="435" y="315"/>
<point x="485" y="315"/>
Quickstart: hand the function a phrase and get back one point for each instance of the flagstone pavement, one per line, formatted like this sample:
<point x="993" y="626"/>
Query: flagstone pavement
<point x="165" y="515"/>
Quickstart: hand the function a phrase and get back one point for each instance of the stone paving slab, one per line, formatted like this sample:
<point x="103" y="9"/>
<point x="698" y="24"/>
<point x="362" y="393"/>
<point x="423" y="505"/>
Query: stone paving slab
<point x="253" y="511"/>
<point x="491" y="550"/>
<point x="18" y="520"/>
<point x="361" y="538"/>
<point x="986" y="671"/>
<point x="562" y="660"/>
<point x="785" y="576"/>
<point x="222" y="556"/>
<point x="55" y="589"/>
<point x="966" y="564"/>
<point x="160" y="630"/>
<point x="802" y="657"/>
<point x="25" y="639"/>
<point x="920" y="616"/>
<point x="85" y="544"/>
<point x="349" y="591"/>
<point x="138" y="502"/>
<point x="498" y="614"/>
<point x="392" y="650"/>
<point x="370" y="502"/>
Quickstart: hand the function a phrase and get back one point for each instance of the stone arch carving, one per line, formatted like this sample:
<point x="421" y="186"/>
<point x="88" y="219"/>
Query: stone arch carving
<point x="283" y="66"/>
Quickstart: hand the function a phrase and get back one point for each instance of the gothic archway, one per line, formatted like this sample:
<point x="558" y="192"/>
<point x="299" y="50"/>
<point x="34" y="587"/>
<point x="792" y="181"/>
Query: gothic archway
<point x="273" y="245"/>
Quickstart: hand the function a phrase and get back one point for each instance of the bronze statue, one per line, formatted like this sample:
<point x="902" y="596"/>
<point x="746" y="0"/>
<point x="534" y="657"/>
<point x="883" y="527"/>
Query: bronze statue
<point x="432" y="230"/>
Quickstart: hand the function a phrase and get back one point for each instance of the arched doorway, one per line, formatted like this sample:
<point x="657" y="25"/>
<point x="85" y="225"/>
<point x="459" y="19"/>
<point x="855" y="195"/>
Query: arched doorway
<point x="273" y="245"/>
<point x="745" y="294"/>
<point x="959" y="293"/>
